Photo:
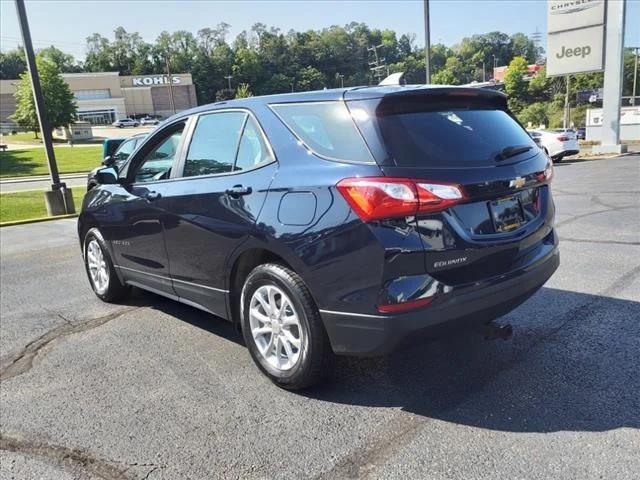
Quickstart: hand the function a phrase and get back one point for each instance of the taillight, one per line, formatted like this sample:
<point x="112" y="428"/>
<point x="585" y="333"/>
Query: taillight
<point x="376" y="198"/>
<point x="562" y="138"/>
<point x="546" y="175"/>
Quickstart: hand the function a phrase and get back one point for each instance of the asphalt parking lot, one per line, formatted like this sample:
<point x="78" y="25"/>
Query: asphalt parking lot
<point x="153" y="389"/>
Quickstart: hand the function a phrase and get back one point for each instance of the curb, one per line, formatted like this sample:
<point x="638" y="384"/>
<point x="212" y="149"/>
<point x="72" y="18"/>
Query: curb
<point x="37" y="220"/>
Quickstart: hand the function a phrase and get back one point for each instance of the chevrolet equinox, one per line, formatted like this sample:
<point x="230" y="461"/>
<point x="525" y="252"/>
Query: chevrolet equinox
<point x="344" y="221"/>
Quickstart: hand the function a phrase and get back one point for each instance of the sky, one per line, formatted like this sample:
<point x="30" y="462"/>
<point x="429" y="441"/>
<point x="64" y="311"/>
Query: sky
<point x="67" y="23"/>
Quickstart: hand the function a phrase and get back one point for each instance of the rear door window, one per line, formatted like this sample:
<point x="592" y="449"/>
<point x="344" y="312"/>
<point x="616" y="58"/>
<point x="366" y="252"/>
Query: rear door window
<point x="253" y="149"/>
<point x="445" y="138"/>
<point x="326" y="128"/>
<point x="214" y="144"/>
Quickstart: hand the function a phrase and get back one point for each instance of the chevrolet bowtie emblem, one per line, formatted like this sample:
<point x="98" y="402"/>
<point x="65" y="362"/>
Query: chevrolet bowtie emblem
<point x="517" y="182"/>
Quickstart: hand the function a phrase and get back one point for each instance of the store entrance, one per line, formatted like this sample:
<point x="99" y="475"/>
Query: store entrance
<point x="98" y="117"/>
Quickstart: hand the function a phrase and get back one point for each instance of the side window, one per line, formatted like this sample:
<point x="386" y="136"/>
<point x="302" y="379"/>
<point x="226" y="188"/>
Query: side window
<point x="327" y="128"/>
<point x="124" y="150"/>
<point x="214" y="144"/>
<point x="253" y="149"/>
<point x="158" y="162"/>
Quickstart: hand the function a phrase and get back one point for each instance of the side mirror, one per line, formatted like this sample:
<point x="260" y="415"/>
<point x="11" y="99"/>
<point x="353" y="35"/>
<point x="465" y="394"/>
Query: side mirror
<point x="107" y="176"/>
<point x="108" y="160"/>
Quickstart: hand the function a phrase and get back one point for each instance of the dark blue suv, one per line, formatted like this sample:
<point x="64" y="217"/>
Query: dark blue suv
<point x="344" y="221"/>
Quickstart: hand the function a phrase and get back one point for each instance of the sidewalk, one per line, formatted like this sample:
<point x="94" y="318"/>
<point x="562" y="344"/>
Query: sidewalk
<point x="40" y="182"/>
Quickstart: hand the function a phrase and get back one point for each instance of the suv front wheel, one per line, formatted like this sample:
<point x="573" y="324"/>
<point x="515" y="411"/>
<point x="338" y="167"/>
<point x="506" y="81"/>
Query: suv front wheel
<point x="282" y="328"/>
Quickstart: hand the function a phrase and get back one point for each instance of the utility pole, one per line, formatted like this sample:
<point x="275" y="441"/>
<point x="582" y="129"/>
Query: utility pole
<point x="341" y="80"/>
<point x="484" y="72"/>
<point x="173" y="102"/>
<point x="635" y="77"/>
<point x="427" y="43"/>
<point x="567" y="111"/>
<point x="59" y="200"/>
<point x="229" y="77"/>
<point x="378" y="65"/>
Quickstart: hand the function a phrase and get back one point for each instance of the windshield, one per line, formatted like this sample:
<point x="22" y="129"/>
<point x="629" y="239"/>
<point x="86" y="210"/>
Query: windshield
<point x="443" y="137"/>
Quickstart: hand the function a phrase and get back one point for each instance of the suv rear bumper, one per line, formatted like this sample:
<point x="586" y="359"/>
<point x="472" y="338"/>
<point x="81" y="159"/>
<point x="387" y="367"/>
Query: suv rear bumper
<point x="474" y="304"/>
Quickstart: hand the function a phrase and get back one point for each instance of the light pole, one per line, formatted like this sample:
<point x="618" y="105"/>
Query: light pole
<point x="427" y="43"/>
<point x="173" y="102"/>
<point x="59" y="200"/>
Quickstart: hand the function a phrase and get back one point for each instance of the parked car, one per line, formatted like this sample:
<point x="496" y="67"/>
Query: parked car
<point x="149" y="121"/>
<point x="557" y="144"/>
<point x="581" y="133"/>
<point x="536" y="137"/>
<point x="349" y="221"/>
<point x="110" y="145"/>
<point x="125" y="122"/>
<point x="126" y="146"/>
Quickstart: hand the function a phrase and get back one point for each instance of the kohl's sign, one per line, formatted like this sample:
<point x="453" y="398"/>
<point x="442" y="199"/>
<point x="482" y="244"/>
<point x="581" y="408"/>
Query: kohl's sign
<point x="154" y="80"/>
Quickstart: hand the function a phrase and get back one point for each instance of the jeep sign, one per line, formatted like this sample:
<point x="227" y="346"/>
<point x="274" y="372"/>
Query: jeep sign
<point x="575" y="51"/>
<point x="154" y="80"/>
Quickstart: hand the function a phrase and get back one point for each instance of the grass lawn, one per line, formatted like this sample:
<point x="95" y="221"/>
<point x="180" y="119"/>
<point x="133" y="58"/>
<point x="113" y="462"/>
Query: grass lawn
<point x="32" y="161"/>
<point x="23" y="205"/>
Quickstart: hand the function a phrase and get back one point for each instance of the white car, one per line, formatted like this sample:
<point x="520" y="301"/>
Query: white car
<point x="125" y="122"/>
<point x="149" y="121"/>
<point x="556" y="144"/>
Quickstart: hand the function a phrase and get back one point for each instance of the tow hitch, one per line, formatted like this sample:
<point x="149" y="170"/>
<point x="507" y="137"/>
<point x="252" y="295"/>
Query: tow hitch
<point x="495" y="331"/>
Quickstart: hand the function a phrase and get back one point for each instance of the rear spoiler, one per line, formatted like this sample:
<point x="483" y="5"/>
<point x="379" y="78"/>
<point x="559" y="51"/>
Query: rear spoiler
<point x="427" y="98"/>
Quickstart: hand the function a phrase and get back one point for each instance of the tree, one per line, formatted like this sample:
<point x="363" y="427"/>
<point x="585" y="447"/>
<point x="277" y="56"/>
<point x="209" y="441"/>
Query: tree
<point x="243" y="91"/>
<point x="59" y="104"/>
<point x="12" y="64"/>
<point x="535" y="114"/>
<point x="65" y="62"/>
<point x="310" y="78"/>
<point x="515" y="85"/>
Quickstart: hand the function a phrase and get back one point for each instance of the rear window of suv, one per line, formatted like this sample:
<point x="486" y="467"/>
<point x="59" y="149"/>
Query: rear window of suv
<point x="443" y="137"/>
<point x="326" y="128"/>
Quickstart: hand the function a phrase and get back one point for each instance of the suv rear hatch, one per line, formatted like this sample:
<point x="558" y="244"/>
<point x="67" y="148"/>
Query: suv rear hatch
<point x="463" y="137"/>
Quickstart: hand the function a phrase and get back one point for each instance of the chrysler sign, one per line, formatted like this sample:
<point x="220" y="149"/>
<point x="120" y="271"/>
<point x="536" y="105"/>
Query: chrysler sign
<point x="575" y="41"/>
<point x="154" y="80"/>
<point x="571" y="14"/>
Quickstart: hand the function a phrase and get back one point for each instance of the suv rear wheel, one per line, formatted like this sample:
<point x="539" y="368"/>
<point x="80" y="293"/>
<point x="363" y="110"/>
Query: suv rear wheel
<point x="282" y="328"/>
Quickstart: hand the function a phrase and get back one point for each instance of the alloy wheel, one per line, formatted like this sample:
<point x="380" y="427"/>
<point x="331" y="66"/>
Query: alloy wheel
<point x="275" y="327"/>
<point x="98" y="268"/>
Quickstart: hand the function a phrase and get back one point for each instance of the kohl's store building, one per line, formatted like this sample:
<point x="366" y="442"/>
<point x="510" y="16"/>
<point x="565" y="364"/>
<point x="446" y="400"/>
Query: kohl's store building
<point x="104" y="97"/>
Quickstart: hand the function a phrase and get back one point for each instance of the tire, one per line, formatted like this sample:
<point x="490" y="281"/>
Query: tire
<point x="107" y="287"/>
<point x="120" y="126"/>
<point x="556" y="159"/>
<point x="309" y="362"/>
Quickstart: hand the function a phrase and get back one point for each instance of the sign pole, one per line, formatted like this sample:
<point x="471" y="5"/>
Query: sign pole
<point x="58" y="200"/>
<point x="37" y="93"/>
<point x="612" y="91"/>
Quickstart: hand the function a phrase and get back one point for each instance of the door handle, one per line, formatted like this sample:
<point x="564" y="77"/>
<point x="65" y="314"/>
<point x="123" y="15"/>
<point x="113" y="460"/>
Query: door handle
<point x="238" y="190"/>
<point x="151" y="196"/>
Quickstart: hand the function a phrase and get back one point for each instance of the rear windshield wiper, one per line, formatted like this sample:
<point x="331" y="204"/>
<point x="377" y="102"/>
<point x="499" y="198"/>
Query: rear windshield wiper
<point x="512" y="151"/>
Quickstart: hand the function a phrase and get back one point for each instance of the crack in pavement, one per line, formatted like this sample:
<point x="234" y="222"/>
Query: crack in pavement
<point x="605" y="242"/>
<point x="365" y="460"/>
<point x="558" y="192"/>
<point x="23" y="361"/>
<point x="71" y="458"/>
<point x="578" y="217"/>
